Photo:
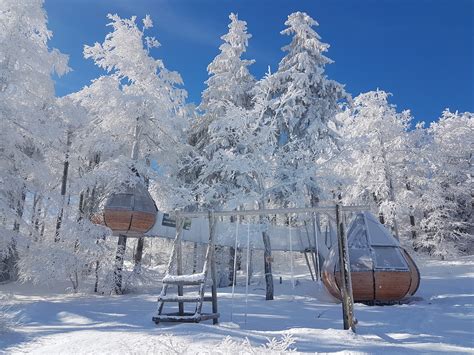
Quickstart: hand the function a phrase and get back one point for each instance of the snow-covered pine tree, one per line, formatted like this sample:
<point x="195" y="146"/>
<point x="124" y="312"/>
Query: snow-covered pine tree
<point x="230" y="81"/>
<point x="302" y="103"/>
<point x="229" y="85"/>
<point x="305" y="105"/>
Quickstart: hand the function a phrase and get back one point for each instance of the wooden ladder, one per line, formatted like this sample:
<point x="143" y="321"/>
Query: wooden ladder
<point x="181" y="281"/>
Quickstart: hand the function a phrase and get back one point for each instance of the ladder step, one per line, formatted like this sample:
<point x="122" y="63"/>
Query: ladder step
<point x="176" y="298"/>
<point x="193" y="279"/>
<point x="187" y="298"/>
<point x="185" y="318"/>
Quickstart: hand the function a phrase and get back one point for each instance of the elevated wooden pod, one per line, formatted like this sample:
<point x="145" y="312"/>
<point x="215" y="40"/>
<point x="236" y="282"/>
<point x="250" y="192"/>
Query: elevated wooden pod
<point x="131" y="212"/>
<point x="381" y="270"/>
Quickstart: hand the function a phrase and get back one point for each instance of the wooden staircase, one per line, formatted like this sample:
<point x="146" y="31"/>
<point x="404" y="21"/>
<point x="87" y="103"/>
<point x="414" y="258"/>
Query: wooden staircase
<point x="185" y="282"/>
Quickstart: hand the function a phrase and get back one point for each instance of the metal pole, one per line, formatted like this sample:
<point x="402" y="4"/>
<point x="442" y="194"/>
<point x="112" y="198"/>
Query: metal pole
<point x="234" y="271"/>
<point x="345" y="268"/>
<point x="212" y="231"/>
<point x="179" y="260"/>
<point x="291" y="254"/>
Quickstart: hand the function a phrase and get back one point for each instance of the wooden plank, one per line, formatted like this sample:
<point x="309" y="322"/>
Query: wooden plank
<point x="182" y="283"/>
<point x="391" y="285"/>
<point x="362" y="285"/>
<point x="176" y="298"/>
<point x="186" y="318"/>
<point x="117" y="220"/>
<point x="142" y="221"/>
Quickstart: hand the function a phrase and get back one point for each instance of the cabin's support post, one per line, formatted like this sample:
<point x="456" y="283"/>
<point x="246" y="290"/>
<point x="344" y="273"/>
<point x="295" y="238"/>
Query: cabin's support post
<point x="139" y="255"/>
<point x="212" y="238"/>
<point x="121" y="246"/>
<point x="344" y="266"/>
<point x="305" y="253"/>
<point x="179" y="259"/>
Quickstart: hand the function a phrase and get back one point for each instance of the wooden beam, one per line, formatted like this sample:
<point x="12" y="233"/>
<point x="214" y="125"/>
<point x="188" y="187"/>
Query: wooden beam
<point x="322" y="209"/>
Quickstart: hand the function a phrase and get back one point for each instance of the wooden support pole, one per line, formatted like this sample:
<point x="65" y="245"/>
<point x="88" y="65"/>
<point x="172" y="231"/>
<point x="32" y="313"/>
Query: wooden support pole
<point x="179" y="259"/>
<point x="120" y="255"/>
<point x="212" y="239"/>
<point x="309" y="264"/>
<point x="345" y="268"/>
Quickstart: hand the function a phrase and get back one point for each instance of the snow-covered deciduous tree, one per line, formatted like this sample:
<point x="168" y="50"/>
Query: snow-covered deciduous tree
<point x="27" y="124"/>
<point x="446" y="203"/>
<point x="153" y="118"/>
<point x="375" y="144"/>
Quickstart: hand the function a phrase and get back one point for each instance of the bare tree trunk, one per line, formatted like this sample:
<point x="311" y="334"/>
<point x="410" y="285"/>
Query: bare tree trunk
<point x="20" y="204"/>
<point x="267" y="258"/>
<point x="381" y="216"/>
<point x="12" y="258"/>
<point x="232" y="271"/>
<point x="43" y="223"/>
<point x="96" y="272"/>
<point x="389" y="182"/>
<point x="119" y="257"/>
<point x="138" y="256"/>
<point x="63" y="187"/>
<point x="37" y="217"/>
<point x="250" y="269"/>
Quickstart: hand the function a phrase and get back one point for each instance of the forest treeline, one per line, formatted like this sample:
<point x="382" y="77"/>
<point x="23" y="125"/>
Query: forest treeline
<point x="291" y="138"/>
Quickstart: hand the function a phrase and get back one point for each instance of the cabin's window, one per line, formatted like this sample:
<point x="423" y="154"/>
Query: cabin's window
<point x="123" y="201"/>
<point x="361" y="260"/>
<point x="389" y="258"/>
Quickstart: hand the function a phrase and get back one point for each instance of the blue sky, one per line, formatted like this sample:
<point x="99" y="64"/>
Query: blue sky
<point x="419" y="50"/>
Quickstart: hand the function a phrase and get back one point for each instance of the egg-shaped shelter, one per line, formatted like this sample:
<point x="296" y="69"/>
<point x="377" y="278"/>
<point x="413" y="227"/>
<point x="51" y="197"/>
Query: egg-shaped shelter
<point x="131" y="212"/>
<point x="381" y="270"/>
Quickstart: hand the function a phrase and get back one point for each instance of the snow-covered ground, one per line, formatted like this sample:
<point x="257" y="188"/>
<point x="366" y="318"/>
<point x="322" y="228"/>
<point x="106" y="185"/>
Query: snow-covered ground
<point x="441" y="321"/>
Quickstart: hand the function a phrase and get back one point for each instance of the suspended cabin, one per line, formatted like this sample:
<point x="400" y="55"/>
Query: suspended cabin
<point x="131" y="212"/>
<point x="381" y="270"/>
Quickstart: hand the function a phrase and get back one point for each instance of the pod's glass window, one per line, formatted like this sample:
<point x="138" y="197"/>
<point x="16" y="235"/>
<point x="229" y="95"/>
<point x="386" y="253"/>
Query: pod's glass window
<point x="361" y="260"/>
<point x="389" y="258"/>
<point x="123" y="201"/>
